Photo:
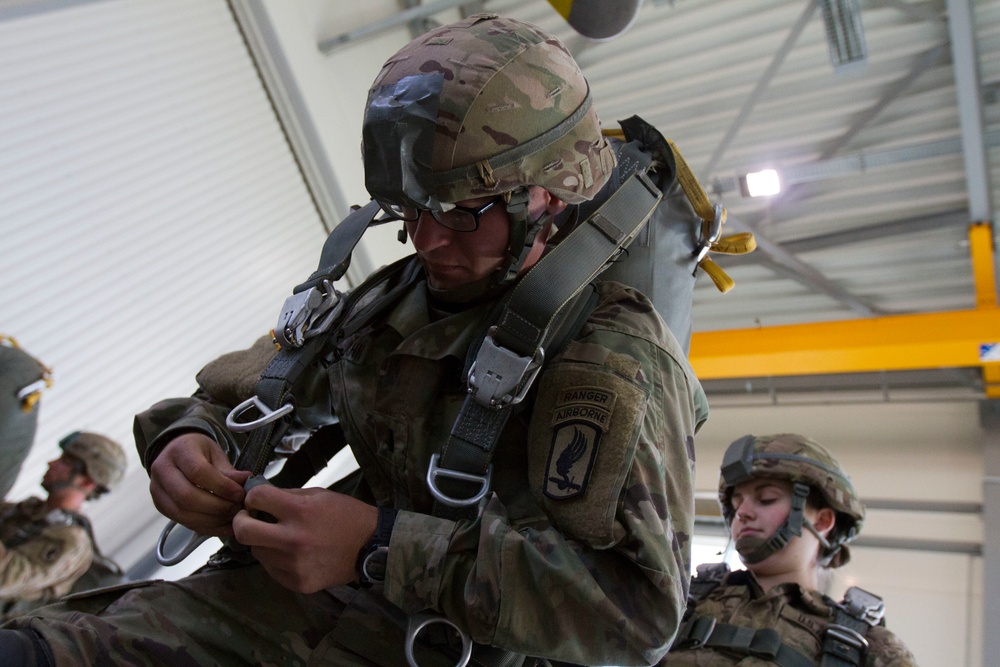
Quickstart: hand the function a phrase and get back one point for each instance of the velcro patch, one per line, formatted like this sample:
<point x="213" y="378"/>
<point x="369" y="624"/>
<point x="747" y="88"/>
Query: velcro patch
<point x="579" y="418"/>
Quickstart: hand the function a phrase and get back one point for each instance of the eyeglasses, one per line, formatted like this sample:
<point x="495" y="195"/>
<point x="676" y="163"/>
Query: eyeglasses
<point x="459" y="218"/>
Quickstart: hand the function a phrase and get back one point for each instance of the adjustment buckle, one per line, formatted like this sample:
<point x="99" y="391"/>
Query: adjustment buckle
<point x="497" y="373"/>
<point x="698" y="631"/>
<point x="864" y="605"/>
<point x="434" y="471"/>
<point x="307" y="313"/>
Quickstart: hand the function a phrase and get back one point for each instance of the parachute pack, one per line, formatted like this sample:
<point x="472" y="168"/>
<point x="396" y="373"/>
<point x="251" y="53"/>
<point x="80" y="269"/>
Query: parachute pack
<point x="22" y="380"/>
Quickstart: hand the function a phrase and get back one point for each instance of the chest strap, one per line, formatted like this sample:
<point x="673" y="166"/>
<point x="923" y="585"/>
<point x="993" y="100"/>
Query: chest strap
<point x="545" y="302"/>
<point x="844" y="643"/>
<point x="704" y="632"/>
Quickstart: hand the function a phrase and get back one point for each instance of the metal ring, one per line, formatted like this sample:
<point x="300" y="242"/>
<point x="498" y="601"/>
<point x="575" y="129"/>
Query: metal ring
<point x="420" y="621"/>
<point x="434" y="471"/>
<point x="194" y="541"/>
<point x="267" y="415"/>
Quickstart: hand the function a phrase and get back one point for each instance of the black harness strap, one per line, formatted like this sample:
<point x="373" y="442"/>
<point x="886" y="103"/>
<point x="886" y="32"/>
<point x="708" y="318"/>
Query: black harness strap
<point x="543" y="304"/>
<point x="844" y="643"/>
<point x="765" y="643"/>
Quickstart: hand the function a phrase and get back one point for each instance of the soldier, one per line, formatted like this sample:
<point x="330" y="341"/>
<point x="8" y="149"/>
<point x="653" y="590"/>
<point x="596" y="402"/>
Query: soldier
<point x="47" y="543"/>
<point x="771" y="488"/>
<point x="577" y="547"/>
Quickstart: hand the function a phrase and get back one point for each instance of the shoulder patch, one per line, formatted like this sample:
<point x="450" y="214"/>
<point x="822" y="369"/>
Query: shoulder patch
<point x="579" y="418"/>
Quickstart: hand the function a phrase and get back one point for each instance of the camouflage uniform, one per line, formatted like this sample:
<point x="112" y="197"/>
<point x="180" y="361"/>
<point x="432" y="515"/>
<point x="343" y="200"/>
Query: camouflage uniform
<point x="43" y="552"/>
<point x="798" y="615"/>
<point x="597" y="578"/>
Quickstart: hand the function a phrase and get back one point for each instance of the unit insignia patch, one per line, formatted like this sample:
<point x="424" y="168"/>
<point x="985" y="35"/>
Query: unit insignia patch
<point x="578" y="420"/>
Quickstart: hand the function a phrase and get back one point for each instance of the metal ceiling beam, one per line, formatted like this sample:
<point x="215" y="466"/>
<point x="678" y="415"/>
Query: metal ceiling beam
<point x="927" y="60"/>
<point x="900" y="342"/>
<point x="779" y="259"/>
<point x="865" y="234"/>
<point x="760" y="88"/>
<point x="416" y="13"/>
<point x="970" y="112"/>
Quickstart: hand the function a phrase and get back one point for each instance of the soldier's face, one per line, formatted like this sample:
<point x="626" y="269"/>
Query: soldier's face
<point x="759" y="506"/>
<point x="453" y="259"/>
<point x="63" y="470"/>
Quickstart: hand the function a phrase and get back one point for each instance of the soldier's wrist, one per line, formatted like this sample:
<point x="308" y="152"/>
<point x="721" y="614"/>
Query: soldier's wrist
<point x="374" y="556"/>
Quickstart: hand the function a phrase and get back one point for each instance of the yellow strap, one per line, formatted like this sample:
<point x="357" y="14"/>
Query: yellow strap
<point x="562" y="6"/>
<point x="736" y="244"/>
<point x="721" y="279"/>
<point x="28" y="402"/>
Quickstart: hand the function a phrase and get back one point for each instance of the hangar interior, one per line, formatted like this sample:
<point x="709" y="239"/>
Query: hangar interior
<point x="169" y="170"/>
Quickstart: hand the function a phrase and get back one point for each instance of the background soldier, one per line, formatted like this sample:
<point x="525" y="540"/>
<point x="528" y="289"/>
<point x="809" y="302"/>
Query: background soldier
<point x="47" y="544"/>
<point x="475" y="135"/>
<point x="771" y="488"/>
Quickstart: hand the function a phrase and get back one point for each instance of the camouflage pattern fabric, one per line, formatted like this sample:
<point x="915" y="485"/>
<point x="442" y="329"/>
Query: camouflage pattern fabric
<point x="203" y="621"/>
<point x="48" y="552"/>
<point x="514" y="84"/>
<point x="798" y="615"/>
<point x="599" y="578"/>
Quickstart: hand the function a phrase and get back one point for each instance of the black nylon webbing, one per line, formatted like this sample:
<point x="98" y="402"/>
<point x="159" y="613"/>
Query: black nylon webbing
<point x="765" y="643"/>
<point x="573" y="263"/>
<point x="543" y="297"/>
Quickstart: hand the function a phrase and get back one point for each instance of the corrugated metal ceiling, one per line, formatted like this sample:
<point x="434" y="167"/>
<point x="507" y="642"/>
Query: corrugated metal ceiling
<point x="877" y="223"/>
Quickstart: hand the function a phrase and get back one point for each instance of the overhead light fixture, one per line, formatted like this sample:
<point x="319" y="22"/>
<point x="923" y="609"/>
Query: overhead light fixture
<point x="844" y="33"/>
<point x="760" y="183"/>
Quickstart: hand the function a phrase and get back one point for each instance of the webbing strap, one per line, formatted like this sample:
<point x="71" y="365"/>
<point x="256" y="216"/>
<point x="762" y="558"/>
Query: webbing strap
<point x="540" y="305"/>
<point x="275" y="386"/>
<point x="764" y="643"/>
<point x="560" y="275"/>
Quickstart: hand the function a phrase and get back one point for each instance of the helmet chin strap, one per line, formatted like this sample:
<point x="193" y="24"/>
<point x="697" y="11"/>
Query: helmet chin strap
<point x="753" y="550"/>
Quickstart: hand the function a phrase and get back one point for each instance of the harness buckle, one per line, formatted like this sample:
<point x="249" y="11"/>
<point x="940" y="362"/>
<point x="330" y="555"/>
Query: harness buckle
<point x="501" y="373"/>
<point x="434" y="471"/>
<point x="307" y="313"/>
<point x="864" y="605"/>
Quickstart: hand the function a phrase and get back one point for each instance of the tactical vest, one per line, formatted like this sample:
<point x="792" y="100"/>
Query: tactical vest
<point x="843" y="642"/>
<point x="103" y="571"/>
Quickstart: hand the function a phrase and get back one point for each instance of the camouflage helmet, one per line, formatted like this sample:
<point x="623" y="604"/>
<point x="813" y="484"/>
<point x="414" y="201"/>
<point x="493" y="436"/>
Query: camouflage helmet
<point x="807" y="465"/>
<point x="103" y="457"/>
<point x="482" y="107"/>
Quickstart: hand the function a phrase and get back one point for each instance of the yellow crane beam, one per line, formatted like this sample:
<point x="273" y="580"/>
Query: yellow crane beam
<point x="893" y="343"/>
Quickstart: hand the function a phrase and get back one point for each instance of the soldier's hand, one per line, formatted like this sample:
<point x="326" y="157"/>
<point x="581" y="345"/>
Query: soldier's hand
<point x="317" y="537"/>
<point x="193" y="483"/>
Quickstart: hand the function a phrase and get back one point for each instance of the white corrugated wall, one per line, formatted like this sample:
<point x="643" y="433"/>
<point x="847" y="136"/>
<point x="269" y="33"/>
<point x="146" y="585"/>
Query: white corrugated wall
<point x="152" y="216"/>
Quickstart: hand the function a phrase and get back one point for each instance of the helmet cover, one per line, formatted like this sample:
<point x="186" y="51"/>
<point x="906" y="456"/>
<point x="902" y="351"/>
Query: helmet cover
<point x="799" y="460"/>
<point x="103" y="457"/>
<point x="482" y="107"/>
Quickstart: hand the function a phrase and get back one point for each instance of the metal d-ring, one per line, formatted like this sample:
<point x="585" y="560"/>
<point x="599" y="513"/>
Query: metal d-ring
<point x="267" y="415"/>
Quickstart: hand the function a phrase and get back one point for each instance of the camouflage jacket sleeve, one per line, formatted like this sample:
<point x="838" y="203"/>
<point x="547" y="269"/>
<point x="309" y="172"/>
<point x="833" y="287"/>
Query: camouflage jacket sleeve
<point x="46" y="566"/>
<point x="885" y="649"/>
<point x="599" y="573"/>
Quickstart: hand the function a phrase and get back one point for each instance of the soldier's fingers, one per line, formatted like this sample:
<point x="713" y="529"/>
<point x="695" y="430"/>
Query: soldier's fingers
<point x="257" y="533"/>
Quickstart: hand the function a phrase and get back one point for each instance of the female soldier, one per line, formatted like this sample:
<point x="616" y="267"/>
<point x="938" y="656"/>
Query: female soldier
<point x="770" y="488"/>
